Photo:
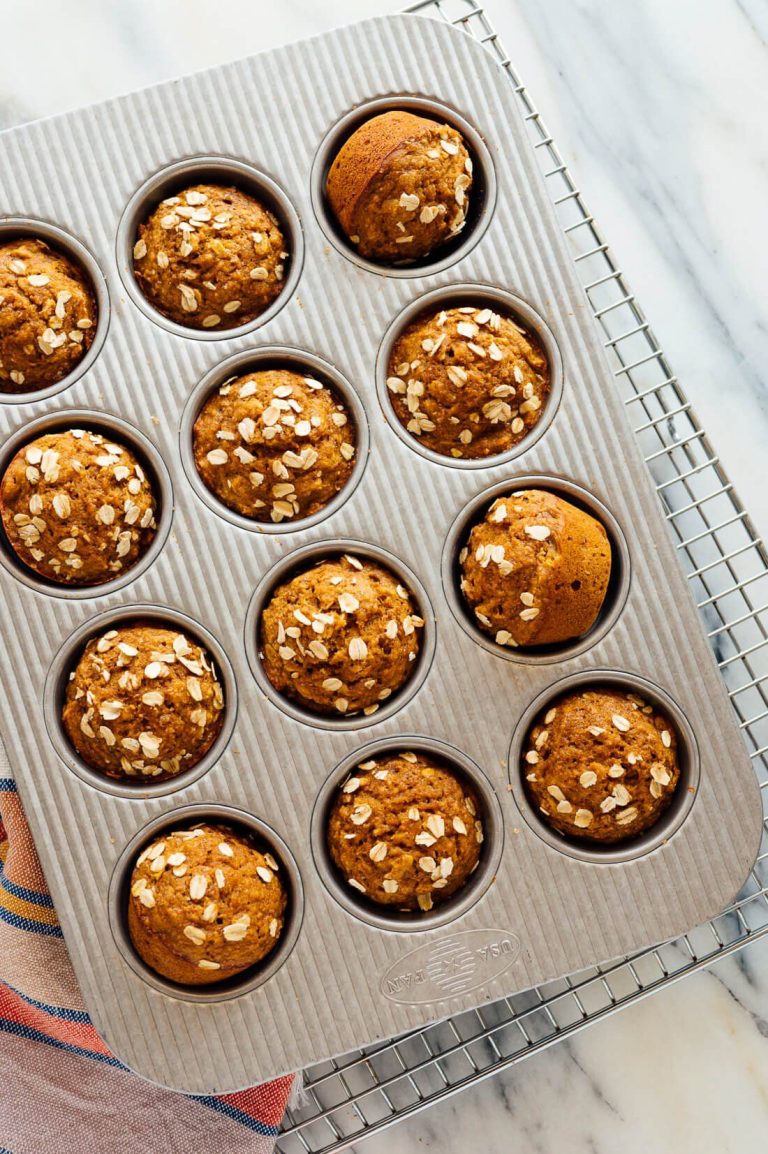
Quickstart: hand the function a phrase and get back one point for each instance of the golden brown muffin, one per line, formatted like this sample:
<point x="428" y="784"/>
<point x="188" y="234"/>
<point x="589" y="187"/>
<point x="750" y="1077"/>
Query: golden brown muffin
<point x="399" y="186"/>
<point x="274" y="445"/>
<point x="535" y="570"/>
<point x="468" y="382"/>
<point x="210" y="258"/>
<point x="142" y="702"/>
<point x="341" y="636"/>
<point x="47" y="315"/>
<point x="77" y="508"/>
<point x="601" y="765"/>
<point x="205" y="904"/>
<point x="405" y="830"/>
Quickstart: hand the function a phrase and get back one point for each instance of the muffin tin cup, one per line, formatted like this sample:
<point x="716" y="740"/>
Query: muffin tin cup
<point x="302" y="559"/>
<point x="484" y="296"/>
<point x="17" y="227"/>
<point x="270" y="357"/>
<point x="257" y="974"/>
<point x="482" y="196"/>
<point x="150" y="460"/>
<point x="618" y="586"/>
<point x="546" y="913"/>
<point x="65" y="661"/>
<point x="673" y="817"/>
<point x="387" y="917"/>
<point x="216" y="169"/>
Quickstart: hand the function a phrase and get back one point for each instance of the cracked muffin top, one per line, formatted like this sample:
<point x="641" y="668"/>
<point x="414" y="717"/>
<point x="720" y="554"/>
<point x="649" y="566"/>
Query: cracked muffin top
<point x="400" y="186"/>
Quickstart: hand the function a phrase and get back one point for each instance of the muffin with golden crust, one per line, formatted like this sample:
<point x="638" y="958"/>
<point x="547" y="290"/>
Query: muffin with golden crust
<point x="205" y="903"/>
<point x="601" y="765"/>
<point x="400" y="186"/>
<point x="211" y="257"/>
<point x="274" y="445"/>
<point x="535" y="569"/>
<point x="405" y="830"/>
<point x="468" y="381"/>
<point x="48" y="315"/>
<point x="340" y="637"/>
<point x="143" y="702"/>
<point x="77" y="507"/>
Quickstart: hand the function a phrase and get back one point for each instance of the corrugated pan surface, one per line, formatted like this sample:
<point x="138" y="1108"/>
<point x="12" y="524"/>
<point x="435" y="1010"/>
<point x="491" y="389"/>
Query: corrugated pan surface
<point x="547" y="913"/>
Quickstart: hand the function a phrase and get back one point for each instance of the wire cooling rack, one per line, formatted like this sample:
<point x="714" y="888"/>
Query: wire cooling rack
<point x="727" y="566"/>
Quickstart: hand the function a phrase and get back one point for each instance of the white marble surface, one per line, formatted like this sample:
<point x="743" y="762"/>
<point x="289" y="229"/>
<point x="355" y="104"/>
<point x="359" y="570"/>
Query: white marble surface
<point x="660" y="109"/>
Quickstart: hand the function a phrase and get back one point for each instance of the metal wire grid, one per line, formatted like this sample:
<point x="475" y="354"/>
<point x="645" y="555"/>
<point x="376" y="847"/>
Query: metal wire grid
<point x="725" y="561"/>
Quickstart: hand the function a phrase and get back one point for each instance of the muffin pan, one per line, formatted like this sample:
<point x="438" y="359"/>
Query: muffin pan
<point x="555" y="908"/>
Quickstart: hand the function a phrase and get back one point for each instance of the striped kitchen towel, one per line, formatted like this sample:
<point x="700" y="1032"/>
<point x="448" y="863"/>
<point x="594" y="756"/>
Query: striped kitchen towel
<point x="60" y="1088"/>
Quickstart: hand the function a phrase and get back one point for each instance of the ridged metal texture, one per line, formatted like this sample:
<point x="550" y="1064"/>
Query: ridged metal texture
<point x="80" y="171"/>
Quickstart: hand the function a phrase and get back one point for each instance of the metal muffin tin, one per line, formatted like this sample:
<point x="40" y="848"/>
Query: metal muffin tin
<point x="540" y="907"/>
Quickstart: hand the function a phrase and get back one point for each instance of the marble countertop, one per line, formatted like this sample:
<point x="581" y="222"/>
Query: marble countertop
<point x="659" y="109"/>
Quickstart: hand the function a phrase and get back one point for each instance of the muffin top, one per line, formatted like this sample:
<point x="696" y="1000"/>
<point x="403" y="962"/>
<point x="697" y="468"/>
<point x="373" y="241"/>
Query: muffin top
<point x="77" y="507"/>
<point x="341" y="636"/>
<point x="274" y="445"/>
<point x="143" y="701"/>
<point x="601" y="765"/>
<point x="47" y="315"/>
<point x="405" y="830"/>
<point x="211" y="257"/>
<point x="468" y="382"/>
<point x="535" y="569"/>
<point x="400" y="186"/>
<point x="205" y="903"/>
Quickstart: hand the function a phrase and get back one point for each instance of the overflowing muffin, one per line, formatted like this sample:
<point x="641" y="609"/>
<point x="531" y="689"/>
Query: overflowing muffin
<point x="341" y="636"/>
<point x="535" y="569"/>
<point x="405" y="830"/>
<point x="143" y="701"/>
<point x="274" y="445"/>
<point x="400" y="186"/>
<point x="211" y="257"/>
<point x="601" y="765"/>
<point x="48" y="315"/>
<point x="77" y="507"/>
<point x="205" y="903"/>
<point x="468" y="382"/>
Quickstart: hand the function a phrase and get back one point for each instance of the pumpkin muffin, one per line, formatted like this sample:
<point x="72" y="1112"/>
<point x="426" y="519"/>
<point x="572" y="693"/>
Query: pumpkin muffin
<point x="468" y="382"/>
<point x="211" y="257"/>
<point x="274" y="445"/>
<point x="340" y="637"/>
<point x="535" y="570"/>
<point x="47" y="315"/>
<point x="77" y="507"/>
<point x="205" y="904"/>
<point x="143" y="701"/>
<point x="405" y="830"/>
<point x="400" y="186"/>
<point x="601" y="765"/>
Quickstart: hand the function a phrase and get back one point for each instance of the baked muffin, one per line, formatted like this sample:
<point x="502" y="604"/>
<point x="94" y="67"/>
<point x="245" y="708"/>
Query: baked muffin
<point x="405" y="831"/>
<point x="468" y="382"/>
<point x="211" y="257"/>
<point x="143" y="701"/>
<point x="205" y="903"/>
<point x="400" y="186"/>
<point x="601" y="765"/>
<point x="535" y="570"/>
<point x="341" y="636"/>
<point x="47" y="315"/>
<point x="77" y="507"/>
<point x="274" y="445"/>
